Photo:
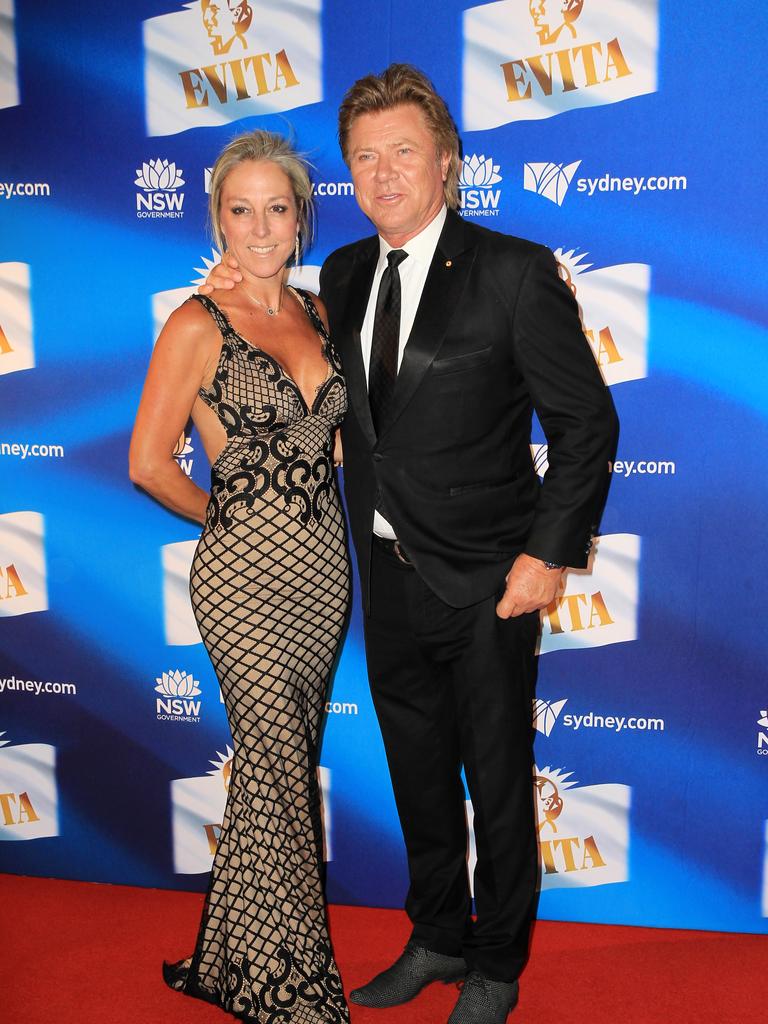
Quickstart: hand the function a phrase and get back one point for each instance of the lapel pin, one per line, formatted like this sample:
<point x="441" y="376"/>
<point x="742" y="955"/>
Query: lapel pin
<point x="449" y="263"/>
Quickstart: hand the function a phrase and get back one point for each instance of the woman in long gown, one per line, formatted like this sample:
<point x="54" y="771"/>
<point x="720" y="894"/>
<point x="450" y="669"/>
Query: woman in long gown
<point x="256" y="370"/>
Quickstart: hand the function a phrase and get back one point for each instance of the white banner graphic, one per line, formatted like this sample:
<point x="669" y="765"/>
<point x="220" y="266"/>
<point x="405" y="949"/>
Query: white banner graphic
<point x="613" y="303"/>
<point x="180" y="626"/>
<point x="164" y="303"/>
<point x="198" y="811"/>
<point x="23" y="575"/>
<point x="529" y="59"/>
<point x="599" y="603"/>
<point x="9" y="85"/>
<point x="583" y="832"/>
<point x="215" y="62"/>
<point x="28" y="795"/>
<point x="16" y="347"/>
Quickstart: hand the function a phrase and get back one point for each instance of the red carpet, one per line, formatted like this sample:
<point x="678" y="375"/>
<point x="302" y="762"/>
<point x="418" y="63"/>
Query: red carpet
<point x="78" y="953"/>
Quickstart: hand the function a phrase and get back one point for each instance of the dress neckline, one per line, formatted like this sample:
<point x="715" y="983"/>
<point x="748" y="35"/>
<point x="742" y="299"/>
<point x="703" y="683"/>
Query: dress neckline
<point x="305" y="298"/>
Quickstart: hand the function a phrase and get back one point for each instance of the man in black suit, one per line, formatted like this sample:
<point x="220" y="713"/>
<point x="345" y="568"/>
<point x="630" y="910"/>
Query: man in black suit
<point x="450" y="336"/>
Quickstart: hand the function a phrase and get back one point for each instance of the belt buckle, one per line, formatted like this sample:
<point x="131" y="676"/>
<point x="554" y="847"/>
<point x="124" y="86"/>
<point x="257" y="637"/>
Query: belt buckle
<point x="400" y="553"/>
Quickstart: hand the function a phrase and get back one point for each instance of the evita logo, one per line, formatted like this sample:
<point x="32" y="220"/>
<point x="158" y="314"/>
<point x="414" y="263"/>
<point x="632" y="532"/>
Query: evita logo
<point x="28" y="791"/>
<point x="578" y="63"/>
<point x="215" y="61"/>
<point x="159" y="181"/>
<point x="529" y="59"/>
<point x="226" y="25"/>
<point x="613" y="302"/>
<point x="16" y="345"/>
<point x="176" y="703"/>
<point x="583" y="831"/>
<point x="477" y="197"/>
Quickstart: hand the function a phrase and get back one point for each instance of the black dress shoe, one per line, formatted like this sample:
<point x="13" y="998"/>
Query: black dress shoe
<point x="483" y="1001"/>
<point x="413" y="969"/>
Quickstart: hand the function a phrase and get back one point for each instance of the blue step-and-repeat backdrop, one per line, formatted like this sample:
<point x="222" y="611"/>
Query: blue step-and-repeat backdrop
<point x="624" y="134"/>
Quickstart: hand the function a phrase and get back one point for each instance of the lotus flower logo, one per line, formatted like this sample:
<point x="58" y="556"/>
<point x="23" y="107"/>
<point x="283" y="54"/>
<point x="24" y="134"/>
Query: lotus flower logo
<point x="761" y="721"/>
<point x="158" y="176"/>
<point x="4" y="743"/>
<point x="177" y="684"/>
<point x="478" y="172"/>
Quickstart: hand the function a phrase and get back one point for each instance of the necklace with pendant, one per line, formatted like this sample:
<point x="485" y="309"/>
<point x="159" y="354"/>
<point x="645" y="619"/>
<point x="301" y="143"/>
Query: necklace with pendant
<point x="269" y="310"/>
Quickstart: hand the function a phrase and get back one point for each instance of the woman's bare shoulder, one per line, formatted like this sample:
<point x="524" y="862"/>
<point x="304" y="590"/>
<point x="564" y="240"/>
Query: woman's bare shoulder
<point x="190" y="324"/>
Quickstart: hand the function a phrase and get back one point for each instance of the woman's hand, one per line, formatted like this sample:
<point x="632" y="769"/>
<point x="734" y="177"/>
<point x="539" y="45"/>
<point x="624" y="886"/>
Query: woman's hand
<point x="338" y="454"/>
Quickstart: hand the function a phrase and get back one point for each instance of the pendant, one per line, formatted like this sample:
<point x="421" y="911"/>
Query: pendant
<point x="270" y="311"/>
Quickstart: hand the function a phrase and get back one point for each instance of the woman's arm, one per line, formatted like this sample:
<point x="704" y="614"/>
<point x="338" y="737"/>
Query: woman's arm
<point x="176" y="372"/>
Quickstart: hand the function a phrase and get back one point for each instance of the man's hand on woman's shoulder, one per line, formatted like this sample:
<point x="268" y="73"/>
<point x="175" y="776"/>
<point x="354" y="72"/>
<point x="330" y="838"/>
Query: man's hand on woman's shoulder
<point x="225" y="275"/>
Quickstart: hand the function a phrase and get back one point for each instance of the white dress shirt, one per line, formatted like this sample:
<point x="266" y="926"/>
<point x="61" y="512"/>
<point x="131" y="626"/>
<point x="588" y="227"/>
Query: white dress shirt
<point x="413" y="274"/>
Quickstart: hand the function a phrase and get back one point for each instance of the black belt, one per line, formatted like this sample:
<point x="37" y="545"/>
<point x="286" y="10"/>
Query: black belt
<point x="392" y="547"/>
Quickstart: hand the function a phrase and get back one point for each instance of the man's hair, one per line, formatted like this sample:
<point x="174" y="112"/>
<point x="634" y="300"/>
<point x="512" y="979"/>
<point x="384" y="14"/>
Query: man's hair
<point x="397" y="85"/>
<point x="262" y="146"/>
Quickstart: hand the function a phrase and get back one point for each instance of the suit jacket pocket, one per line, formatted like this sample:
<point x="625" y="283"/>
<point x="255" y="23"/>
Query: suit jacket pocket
<point x="483" y="485"/>
<point x="466" y="361"/>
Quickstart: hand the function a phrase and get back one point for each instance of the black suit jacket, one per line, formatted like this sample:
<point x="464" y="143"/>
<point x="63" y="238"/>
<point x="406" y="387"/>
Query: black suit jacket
<point x="496" y="334"/>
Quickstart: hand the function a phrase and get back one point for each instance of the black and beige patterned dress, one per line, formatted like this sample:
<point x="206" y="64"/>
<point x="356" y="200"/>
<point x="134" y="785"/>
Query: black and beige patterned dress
<point x="270" y="591"/>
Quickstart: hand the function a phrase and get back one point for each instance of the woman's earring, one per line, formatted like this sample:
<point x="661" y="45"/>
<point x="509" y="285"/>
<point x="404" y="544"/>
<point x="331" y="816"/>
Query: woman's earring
<point x="296" y="252"/>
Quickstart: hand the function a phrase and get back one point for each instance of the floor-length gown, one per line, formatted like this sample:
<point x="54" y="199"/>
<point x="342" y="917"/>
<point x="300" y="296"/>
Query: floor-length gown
<point x="270" y="591"/>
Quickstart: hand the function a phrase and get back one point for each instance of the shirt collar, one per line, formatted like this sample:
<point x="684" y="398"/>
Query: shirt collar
<point x="421" y="247"/>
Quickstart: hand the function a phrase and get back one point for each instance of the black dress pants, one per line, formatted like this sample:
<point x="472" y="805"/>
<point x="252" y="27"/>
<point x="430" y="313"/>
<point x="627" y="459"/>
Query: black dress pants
<point x="453" y="687"/>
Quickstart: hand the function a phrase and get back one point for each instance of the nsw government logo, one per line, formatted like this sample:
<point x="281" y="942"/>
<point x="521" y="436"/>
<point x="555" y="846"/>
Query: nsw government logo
<point x="529" y="59"/>
<point x="477" y="197"/>
<point x="176" y="702"/>
<point x="159" y="181"/>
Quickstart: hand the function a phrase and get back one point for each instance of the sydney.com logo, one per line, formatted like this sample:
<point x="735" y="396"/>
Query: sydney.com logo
<point x="552" y="181"/>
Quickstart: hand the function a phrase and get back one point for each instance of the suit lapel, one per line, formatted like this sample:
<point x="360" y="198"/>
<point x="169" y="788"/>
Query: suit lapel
<point x="355" y="304"/>
<point x="443" y="289"/>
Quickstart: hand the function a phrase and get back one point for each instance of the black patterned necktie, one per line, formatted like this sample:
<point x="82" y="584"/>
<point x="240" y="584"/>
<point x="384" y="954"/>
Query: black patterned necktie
<point x="385" y="341"/>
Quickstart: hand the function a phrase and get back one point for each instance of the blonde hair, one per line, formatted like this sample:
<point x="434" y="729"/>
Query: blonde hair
<point x="263" y="146"/>
<point x="399" y="84"/>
